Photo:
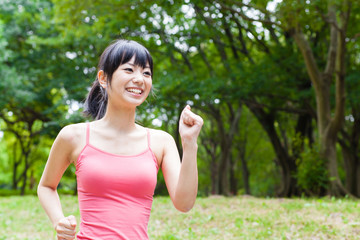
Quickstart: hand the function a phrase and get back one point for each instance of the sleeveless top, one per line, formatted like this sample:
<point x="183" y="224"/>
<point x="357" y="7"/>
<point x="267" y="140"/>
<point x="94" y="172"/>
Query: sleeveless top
<point x="115" y="192"/>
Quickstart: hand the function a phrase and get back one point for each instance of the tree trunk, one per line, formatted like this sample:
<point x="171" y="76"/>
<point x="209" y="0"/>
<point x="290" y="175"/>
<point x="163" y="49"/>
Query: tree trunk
<point x="349" y="143"/>
<point x="233" y="178"/>
<point x="226" y="136"/>
<point x="328" y="125"/>
<point x="224" y="187"/>
<point x="214" y="177"/>
<point x="32" y="182"/>
<point x="24" y="174"/>
<point x="329" y="153"/>
<point x="244" y="170"/>
<point x="352" y="169"/>
<point x="210" y="146"/>
<point x="14" y="175"/>
<point x="287" y="164"/>
<point x="75" y="192"/>
<point x="15" y="168"/>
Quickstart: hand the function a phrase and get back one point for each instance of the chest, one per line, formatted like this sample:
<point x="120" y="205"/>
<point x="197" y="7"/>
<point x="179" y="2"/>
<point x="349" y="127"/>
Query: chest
<point x="101" y="173"/>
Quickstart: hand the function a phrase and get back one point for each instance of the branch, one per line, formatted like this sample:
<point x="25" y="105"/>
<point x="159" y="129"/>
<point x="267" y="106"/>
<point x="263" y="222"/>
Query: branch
<point x="262" y="43"/>
<point x="255" y="104"/>
<point x="206" y="61"/>
<point x="217" y="41"/>
<point x="244" y="49"/>
<point x="184" y="56"/>
<point x="163" y="36"/>
<point x="327" y="18"/>
<point x="229" y="36"/>
<point x="245" y="17"/>
<point x="331" y="56"/>
<point x="357" y="35"/>
<point x="248" y="5"/>
<point x="17" y="135"/>
<point x="272" y="32"/>
<point x="308" y="55"/>
<point x="6" y="120"/>
<point x="338" y="119"/>
<point x="235" y="120"/>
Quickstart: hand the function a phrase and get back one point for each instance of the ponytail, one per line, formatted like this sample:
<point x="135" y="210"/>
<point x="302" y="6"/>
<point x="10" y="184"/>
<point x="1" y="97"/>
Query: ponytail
<point x="96" y="101"/>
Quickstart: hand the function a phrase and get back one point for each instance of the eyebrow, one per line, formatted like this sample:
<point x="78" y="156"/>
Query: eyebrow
<point x="147" y="66"/>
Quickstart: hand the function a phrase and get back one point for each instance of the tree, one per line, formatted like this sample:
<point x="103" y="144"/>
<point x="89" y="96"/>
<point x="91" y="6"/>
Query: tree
<point x="33" y="101"/>
<point x="330" y="120"/>
<point x="198" y="42"/>
<point x="223" y="57"/>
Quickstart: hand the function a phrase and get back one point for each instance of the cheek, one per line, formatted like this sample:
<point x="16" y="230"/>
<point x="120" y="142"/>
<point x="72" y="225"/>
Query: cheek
<point x="148" y="87"/>
<point x="149" y="83"/>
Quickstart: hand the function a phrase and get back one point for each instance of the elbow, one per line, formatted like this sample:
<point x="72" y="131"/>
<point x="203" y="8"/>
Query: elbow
<point x="41" y="189"/>
<point x="184" y="201"/>
<point x="184" y="210"/>
<point x="184" y="207"/>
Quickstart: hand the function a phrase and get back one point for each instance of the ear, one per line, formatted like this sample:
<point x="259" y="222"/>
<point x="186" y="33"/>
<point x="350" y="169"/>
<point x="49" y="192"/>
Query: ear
<point x="102" y="79"/>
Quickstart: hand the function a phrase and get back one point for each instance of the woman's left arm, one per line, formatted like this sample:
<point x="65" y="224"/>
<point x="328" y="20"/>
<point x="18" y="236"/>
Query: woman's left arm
<point x="182" y="178"/>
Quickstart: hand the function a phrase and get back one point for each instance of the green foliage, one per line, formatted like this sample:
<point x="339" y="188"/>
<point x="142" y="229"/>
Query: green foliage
<point x="258" y="155"/>
<point x="206" y="53"/>
<point x="312" y="174"/>
<point x="34" y="99"/>
<point x="5" y="167"/>
<point x="353" y="87"/>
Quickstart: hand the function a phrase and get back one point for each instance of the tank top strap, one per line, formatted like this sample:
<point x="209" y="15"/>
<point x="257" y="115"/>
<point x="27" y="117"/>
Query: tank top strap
<point x="87" y="133"/>
<point x="148" y="137"/>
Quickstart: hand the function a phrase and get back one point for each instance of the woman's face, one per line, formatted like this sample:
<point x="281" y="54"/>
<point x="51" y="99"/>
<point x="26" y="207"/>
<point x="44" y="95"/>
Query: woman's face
<point x="130" y="84"/>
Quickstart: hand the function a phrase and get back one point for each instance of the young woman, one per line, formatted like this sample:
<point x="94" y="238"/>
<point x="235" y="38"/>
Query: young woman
<point x="116" y="159"/>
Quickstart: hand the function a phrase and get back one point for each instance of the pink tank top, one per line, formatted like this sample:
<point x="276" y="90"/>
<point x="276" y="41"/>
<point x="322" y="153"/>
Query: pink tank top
<point x="115" y="192"/>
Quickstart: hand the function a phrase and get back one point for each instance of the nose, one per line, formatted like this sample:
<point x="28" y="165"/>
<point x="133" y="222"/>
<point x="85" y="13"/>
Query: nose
<point x="138" y="77"/>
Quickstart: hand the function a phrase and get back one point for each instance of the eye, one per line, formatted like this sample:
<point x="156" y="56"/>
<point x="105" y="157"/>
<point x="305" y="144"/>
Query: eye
<point x="128" y="69"/>
<point x="147" y="73"/>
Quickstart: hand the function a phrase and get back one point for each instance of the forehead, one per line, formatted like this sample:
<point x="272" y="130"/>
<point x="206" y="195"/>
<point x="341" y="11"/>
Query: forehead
<point x="133" y="62"/>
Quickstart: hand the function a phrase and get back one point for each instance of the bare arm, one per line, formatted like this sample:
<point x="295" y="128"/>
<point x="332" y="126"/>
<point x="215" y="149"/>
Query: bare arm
<point x="58" y="161"/>
<point x="182" y="178"/>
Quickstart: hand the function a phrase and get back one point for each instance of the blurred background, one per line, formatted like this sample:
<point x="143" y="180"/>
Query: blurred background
<point x="277" y="83"/>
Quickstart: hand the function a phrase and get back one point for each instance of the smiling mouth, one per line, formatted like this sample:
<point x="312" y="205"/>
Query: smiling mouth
<point x="134" y="90"/>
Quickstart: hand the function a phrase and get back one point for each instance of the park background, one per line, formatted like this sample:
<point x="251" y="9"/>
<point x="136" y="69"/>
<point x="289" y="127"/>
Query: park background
<point x="276" y="83"/>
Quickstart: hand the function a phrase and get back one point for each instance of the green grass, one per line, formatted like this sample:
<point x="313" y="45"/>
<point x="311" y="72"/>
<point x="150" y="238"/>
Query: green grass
<point x="211" y="218"/>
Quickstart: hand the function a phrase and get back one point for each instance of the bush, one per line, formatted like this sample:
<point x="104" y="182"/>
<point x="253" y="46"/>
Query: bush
<point x="312" y="174"/>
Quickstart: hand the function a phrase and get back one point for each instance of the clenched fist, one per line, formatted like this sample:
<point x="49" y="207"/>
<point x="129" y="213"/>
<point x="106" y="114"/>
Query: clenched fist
<point x="66" y="228"/>
<point x="189" y="126"/>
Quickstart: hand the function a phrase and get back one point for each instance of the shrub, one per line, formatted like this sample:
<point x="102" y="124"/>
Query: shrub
<point x="312" y="174"/>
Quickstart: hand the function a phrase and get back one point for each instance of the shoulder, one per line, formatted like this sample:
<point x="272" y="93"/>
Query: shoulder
<point x="71" y="140"/>
<point x="72" y="132"/>
<point x="160" y="136"/>
<point x="161" y="143"/>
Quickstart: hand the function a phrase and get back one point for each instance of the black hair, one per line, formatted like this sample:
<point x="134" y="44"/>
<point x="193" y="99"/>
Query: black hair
<point x="119" y="52"/>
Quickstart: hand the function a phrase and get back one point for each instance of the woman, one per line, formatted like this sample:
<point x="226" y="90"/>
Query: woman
<point x="116" y="159"/>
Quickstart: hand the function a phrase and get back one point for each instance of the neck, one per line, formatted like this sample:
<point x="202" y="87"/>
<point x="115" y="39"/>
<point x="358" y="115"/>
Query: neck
<point x="120" y="119"/>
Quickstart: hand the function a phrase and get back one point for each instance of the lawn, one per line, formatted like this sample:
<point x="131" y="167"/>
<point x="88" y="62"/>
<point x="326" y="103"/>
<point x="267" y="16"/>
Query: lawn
<point x="211" y="218"/>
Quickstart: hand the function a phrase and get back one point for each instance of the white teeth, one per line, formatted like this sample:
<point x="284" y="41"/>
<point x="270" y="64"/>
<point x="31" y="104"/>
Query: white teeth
<point x="133" y="90"/>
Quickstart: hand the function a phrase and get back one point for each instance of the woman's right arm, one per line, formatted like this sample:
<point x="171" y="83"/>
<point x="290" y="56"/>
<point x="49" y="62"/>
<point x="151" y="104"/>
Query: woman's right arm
<point x="59" y="159"/>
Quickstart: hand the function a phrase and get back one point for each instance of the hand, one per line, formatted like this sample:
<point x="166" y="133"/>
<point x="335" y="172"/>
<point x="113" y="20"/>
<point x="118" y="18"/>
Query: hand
<point x="66" y="228"/>
<point x="189" y="126"/>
